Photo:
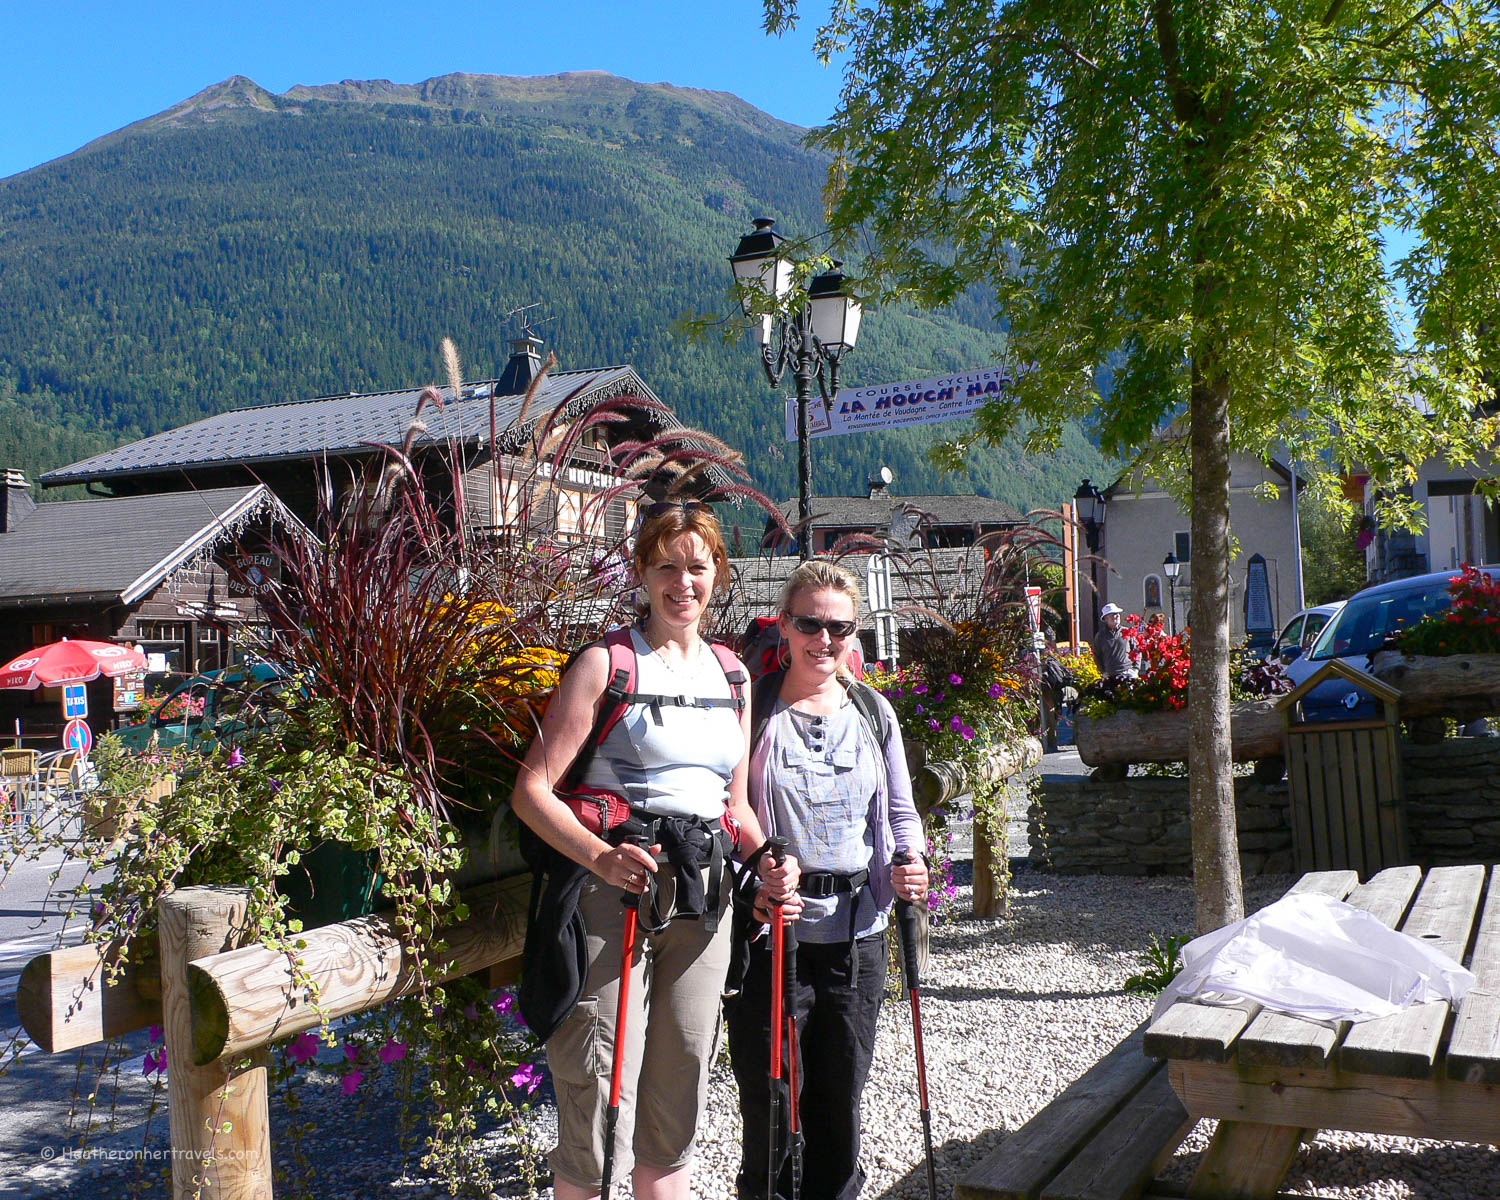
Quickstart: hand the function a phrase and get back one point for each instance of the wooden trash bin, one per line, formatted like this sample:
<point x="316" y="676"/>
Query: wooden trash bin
<point x="1348" y="811"/>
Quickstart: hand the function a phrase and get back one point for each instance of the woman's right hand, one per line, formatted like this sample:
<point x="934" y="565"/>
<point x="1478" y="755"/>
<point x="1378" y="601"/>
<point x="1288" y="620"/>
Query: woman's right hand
<point x="626" y="866"/>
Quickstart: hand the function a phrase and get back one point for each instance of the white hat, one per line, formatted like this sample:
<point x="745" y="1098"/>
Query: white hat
<point x="1110" y="608"/>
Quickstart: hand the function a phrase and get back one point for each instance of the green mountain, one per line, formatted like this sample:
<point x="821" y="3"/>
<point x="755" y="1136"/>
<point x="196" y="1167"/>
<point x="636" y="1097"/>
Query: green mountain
<point x="244" y="247"/>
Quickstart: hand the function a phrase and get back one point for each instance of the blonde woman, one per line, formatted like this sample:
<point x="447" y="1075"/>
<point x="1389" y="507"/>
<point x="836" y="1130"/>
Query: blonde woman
<point x="673" y="764"/>
<point x="828" y="773"/>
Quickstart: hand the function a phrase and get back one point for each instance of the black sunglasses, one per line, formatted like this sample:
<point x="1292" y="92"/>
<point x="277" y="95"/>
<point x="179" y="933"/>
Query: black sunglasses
<point x="662" y="507"/>
<point x="812" y="625"/>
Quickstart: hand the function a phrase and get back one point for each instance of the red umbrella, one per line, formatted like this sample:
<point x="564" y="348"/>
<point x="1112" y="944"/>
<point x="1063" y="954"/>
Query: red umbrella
<point x="69" y="662"/>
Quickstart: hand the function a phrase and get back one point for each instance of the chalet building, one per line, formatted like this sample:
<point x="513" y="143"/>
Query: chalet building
<point x="145" y="561"/>
<point x="292" y="446"/>
<point x="932" y="522"/>
<point x="1461" y="526"/>
<point x="1143" y="524"/>
<point x="152" y="570"/>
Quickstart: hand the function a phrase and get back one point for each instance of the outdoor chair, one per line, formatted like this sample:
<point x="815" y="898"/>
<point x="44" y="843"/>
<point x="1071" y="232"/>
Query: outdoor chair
<point x="18" y="771"/>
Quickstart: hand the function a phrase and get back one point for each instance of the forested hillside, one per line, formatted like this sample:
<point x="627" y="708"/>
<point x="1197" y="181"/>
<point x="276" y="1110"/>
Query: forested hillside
<point x="245" y="247"/>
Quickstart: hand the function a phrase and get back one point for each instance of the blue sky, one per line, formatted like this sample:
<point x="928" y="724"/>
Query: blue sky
<point x="73" y="70"/>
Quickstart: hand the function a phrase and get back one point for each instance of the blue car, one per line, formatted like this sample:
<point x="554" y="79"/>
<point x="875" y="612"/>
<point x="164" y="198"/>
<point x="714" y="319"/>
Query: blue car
<point x="1359" y="629"/>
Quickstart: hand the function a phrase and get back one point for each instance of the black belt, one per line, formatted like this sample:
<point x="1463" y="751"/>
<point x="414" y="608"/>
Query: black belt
<point x="822" y="884"/>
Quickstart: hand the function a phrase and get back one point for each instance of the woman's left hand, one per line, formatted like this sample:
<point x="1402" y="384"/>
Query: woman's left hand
<point x="910" y="880"/>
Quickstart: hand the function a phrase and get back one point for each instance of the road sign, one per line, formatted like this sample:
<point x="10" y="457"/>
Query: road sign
<point x="77" y="736"/>
<point x="1034" y="607"/>
<point x="75" y="701"/>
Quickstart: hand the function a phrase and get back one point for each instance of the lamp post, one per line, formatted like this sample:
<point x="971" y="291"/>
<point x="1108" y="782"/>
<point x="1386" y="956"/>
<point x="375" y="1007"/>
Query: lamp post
<point x="1088" y="505"/>
<point x="811" y="338"/>
<point x="1169" y="567"/>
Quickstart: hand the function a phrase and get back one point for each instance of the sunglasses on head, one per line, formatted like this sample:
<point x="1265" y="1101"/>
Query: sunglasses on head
<point x="662" y="507"/>
<point x="813" y="625"/>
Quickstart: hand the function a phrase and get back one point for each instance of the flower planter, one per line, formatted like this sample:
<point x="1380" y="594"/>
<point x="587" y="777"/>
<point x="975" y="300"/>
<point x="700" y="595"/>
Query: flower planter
<point x="1131" y="737"/>
<point x="330" y="883"/>
<point x="1462" y="686"/>
<point x="107" y="816"/>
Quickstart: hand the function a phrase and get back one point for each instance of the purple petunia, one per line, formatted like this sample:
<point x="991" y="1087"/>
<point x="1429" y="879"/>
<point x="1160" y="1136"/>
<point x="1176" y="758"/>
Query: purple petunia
<point x="968" y="734"/>
<point x="392" y="1051"/>
<point x="303" y="1048"/>
<point x="504" y="1003"/>
<point x="920" y="710"/>
<point x="236" y="758"/>
<point x="919" y="688"/>
<point x="932" y="723"/>
<point x="155" y="1063"/>
<point x="351" y="1082"/>
<point x="955" y="679"/>
<point x="527" y="1076"/>
<point x="955" y="722"/>
<point x="995" y="691"/>
<point x="351" y="1051"/>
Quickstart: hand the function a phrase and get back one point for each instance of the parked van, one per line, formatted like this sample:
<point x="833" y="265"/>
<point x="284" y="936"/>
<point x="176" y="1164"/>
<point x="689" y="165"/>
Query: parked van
<point x="213" y="706"/>
<point x="1359" y="629"/>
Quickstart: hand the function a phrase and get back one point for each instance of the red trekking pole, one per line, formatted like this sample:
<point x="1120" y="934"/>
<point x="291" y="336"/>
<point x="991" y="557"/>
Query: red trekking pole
<point x="631" y="901"/>
<point x="781" y="1096"/>
<point x="906" y="922"/>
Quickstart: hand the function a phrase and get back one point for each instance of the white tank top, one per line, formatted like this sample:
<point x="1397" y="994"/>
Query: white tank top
<point x="672" y="761"/>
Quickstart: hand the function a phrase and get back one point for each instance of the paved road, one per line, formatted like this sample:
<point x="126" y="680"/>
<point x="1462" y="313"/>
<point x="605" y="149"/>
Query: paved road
<point x="34" y="908"/>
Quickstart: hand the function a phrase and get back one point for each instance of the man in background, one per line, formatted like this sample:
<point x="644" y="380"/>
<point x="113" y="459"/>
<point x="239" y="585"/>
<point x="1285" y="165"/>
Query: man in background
<point x="1111" y="652"/>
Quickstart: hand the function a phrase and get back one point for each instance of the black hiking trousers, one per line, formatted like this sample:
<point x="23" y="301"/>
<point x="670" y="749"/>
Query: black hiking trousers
<point x="835" y="1043"/>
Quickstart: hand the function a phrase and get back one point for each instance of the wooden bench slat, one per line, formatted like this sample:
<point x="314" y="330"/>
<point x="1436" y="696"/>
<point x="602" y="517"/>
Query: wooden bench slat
<point x="1405" y="1044"/>
<point x="1030" y="1157"/>
<point x="1279" y="1040"/>
<point x="1208" y="1032"/>
<point x="1122" y="1159"/>
<point x="1474" y="1048"/>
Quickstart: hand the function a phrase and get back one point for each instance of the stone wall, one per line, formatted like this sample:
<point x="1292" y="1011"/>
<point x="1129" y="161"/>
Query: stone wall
<point x="1139" y="826"/>
<point x="1078" y="826"/>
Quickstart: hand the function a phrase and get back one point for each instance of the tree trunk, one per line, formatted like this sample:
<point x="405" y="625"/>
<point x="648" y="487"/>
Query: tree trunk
<point x="1217" y="886"/>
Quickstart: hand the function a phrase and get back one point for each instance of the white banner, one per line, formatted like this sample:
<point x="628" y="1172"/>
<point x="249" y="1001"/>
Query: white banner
<point x="892" y="405"/>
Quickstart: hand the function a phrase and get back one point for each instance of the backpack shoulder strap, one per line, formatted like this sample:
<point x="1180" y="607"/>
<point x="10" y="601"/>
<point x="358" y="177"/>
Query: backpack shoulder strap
<point x="763" y="695"/>
<point x="733" y="672"/>
<point x="867" y="700"/>
<point x="612" y="704"/>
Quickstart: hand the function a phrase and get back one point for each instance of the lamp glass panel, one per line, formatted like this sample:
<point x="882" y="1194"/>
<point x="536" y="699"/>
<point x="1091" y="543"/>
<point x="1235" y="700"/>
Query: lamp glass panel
<point x="835" y="321"/>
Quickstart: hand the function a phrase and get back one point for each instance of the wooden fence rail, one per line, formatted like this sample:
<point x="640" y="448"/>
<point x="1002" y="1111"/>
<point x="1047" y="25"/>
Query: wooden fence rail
<point x="221" y="1003"/>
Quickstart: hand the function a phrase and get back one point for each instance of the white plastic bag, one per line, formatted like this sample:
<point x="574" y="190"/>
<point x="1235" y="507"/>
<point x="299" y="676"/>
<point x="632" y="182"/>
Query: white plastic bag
<point x="1313" y="956"/>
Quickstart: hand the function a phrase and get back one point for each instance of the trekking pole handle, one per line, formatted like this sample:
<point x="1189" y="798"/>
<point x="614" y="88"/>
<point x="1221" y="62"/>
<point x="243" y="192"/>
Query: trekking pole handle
<point x="906" y="922"/>
<point x="776" y="848"/>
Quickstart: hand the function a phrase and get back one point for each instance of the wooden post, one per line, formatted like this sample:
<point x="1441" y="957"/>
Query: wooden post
<point x="220" y="1118"/>
<point x="991" y="895"/>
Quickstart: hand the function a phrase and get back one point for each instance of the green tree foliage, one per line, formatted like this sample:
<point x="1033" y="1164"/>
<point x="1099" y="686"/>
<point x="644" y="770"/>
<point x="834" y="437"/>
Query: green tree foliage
<point x="1333" y="565"/>
<point x="1197" y="195"/>
<point x="245" y="248"/>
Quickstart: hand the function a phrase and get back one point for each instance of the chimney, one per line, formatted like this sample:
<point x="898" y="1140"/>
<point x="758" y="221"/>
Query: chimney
<point x="880" y="486"/>
<point x="16" y="503"/>
<point x="524" y="365"/>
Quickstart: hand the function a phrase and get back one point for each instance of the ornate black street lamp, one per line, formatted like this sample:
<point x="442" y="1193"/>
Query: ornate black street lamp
<point x="1088" y="510"/>
<point x="1170" y="567"/>
<point x="811" y="338"/>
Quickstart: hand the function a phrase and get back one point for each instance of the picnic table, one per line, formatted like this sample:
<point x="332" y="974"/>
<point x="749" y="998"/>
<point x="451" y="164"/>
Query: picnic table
<point x="1272" y="1080"/>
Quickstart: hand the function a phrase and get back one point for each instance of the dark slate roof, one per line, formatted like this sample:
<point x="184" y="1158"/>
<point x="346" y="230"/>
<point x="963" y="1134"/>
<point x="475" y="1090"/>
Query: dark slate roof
<point x="865" y="512"/>
<point x="343" y="425"/>
<point x="118" y="549"/>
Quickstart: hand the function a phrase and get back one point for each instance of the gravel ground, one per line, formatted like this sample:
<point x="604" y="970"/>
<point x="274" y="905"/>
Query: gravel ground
<point x="1013" y="1010"/>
